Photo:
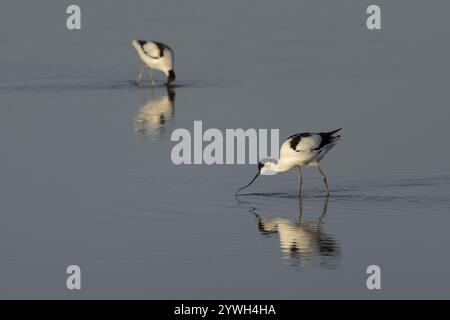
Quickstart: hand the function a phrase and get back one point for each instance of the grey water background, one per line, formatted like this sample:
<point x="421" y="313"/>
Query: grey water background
<point x="83" y="183"/>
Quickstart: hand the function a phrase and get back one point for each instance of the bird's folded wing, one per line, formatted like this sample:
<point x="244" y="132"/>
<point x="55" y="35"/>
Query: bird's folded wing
<point x="152" y="50"/>
<point x="308" y="143"/>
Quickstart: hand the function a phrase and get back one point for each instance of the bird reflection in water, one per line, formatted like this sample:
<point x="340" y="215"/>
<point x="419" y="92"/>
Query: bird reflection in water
<point x="155" y="117"/>
<point x="302" y="242"/>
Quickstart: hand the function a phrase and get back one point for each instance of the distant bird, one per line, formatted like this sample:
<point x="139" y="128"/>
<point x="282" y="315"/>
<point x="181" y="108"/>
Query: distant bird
<point x="302" y="149"/>
<point x="155" y="55"/>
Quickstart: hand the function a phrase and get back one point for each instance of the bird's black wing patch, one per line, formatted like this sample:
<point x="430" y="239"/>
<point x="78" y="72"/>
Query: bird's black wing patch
<point x="295" y="139"/>
<point x="327" y="138"/>
<point x="161" y="48"/>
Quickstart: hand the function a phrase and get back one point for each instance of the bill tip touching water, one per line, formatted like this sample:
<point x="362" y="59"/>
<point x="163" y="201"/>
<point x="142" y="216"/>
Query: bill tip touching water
<point x="302" y="149"/>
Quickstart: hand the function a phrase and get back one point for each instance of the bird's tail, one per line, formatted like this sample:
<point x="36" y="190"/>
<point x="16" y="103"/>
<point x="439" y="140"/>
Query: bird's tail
<point x="333" y="138"/>
<point x="333" y="132"/>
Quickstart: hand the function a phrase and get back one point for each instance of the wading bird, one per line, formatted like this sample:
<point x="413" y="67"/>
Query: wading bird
<point x="302" y="149"/>
<point x="155" y="55"/>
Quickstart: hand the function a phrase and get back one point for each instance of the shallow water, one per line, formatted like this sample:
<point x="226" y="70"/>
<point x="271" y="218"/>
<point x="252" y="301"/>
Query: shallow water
<point x="87" y="178"/>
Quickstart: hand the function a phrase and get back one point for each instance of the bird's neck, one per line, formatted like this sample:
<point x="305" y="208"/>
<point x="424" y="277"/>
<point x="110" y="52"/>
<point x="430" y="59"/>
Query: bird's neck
<point x="278" y="166"/>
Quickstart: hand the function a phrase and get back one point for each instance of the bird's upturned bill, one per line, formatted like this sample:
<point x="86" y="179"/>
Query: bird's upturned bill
<point x="242" y="188"/>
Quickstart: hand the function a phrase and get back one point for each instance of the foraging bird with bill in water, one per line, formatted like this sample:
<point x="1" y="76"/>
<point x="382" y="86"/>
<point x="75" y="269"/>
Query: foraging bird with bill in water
<point x="302" y="149"/>
<point x="156" y="56"/>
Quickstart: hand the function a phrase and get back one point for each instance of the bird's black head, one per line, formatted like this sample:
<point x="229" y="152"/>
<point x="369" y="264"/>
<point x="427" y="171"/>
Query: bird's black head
<point x="260" y="166"/>
<point x="170" y="77"/>
<point x="141" y="42"/>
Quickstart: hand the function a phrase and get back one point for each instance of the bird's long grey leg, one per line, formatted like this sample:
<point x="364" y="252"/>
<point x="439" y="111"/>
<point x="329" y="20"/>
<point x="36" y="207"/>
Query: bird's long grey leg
<point x="151" y="77"/>
<point x="300" y="180"/>
<point x="324" y="179"/>
<point x="300" y="209"/>
<point x="140" y="76"/>
<point x="324" y="209"/>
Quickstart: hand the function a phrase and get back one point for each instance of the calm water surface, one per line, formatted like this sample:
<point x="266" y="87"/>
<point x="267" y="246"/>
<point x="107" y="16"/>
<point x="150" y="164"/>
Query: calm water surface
<point x="87" y="179"/>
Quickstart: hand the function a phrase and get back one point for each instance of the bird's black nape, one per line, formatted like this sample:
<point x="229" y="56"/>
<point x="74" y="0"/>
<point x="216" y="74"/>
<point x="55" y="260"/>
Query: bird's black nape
<point x="260" y="165"/>
<point x="141" y="42"/>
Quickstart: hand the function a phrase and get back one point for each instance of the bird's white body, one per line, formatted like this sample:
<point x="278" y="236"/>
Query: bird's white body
<point x="303" y="149"/>
<point x="156" y="56"/>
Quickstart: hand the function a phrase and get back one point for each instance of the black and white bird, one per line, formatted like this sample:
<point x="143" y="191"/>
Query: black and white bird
<point x="302" y="149"/>
<point x="155" y="55"/>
